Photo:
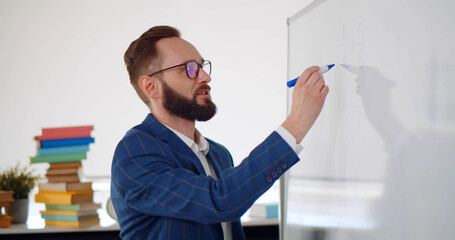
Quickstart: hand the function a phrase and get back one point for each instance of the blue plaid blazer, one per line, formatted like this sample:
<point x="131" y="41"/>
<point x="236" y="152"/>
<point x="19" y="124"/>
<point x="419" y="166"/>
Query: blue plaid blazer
<point x="160" y="190"/>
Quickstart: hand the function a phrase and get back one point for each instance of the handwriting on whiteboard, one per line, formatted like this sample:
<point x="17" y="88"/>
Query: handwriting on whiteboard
<point x="352" y="43"/>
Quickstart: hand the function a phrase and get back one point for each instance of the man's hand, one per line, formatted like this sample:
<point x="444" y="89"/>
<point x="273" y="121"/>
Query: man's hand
<point x="308" y="98"/>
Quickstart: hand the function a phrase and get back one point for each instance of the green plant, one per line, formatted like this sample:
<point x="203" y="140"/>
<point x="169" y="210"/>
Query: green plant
<point x="18" y="179"/>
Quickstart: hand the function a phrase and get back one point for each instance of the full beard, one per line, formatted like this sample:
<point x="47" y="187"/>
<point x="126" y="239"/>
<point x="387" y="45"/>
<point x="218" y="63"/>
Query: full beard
<point x="180" y="106"/>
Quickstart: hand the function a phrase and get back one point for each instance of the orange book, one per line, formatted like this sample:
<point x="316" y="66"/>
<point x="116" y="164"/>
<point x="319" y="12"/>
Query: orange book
<point x="6" y="196"/>
<point x="65" y="165"/>
<point x="81" y="223"/>
<point x="64" y="198"/>
<point x="63" y="178"/>
<point x="63" y="171"/>
<point x="4" y="204"/>
<point x="5" y="221"/>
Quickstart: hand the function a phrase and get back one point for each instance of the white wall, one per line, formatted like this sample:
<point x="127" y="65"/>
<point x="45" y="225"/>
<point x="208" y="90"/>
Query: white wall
<point x="61" y="63"/>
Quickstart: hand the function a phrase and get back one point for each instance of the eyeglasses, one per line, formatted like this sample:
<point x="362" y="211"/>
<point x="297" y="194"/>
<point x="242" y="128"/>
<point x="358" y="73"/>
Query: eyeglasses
<point x="192" y="68"/>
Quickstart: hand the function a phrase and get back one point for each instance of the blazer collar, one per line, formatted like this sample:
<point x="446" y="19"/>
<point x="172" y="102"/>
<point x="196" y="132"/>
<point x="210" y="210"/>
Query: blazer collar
<point x="158" y="130"/>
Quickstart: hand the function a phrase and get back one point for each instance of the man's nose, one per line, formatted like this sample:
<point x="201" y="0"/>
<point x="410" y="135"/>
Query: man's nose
<point x="203" y="77"/>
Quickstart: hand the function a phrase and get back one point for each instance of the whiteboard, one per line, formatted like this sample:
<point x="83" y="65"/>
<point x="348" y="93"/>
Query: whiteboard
<point x="379" y="163"/>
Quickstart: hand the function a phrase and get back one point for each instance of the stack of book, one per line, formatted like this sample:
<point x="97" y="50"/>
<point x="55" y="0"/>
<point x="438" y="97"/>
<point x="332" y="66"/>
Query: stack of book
<point x="69" y="201"/>
<point x="5" y="198"/>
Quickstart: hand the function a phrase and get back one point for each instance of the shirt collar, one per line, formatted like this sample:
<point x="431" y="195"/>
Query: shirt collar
<point x="203" y="145"/>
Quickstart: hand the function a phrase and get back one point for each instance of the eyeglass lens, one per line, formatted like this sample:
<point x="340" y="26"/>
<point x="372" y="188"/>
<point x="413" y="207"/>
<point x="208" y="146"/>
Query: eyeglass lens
<point x="192" y="68"/>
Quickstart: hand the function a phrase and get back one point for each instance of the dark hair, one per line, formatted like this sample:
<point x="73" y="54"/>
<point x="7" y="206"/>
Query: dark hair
<point x="142" y="52"/>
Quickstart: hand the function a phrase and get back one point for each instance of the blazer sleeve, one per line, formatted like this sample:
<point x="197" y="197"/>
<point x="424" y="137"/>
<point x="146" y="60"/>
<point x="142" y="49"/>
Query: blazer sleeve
<point x="149" y="180"/>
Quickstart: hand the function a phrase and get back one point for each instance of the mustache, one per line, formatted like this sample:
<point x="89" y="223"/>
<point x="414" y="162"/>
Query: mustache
<point x="203" y="87"/>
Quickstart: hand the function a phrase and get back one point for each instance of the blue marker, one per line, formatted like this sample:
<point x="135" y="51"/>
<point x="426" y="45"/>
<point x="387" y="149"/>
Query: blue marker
<point x="323" y="70"/>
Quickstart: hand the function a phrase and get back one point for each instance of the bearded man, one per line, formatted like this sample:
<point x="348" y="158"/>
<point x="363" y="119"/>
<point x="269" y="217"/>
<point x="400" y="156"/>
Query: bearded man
<point x="170" y="182"/>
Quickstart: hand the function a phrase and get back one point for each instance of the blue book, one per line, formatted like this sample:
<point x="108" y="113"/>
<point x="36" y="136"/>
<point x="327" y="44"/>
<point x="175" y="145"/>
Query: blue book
<point x="66" y="142"/>
<point x="66" y="218"/>
<point x="60" y="217"/>
<point x="63" y="150"/>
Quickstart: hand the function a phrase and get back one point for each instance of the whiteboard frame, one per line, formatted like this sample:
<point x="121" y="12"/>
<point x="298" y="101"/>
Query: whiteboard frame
<point x="302" y="12"/>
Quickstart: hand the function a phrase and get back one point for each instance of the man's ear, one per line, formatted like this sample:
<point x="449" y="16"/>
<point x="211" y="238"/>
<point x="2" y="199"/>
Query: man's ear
<point x="149" y="86"/>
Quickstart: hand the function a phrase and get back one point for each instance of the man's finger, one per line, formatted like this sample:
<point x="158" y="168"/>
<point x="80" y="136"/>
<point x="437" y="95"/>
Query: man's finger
<point x="319" y="84"/>
<point x="307" y="73"/>
<point x="313" y="79"/>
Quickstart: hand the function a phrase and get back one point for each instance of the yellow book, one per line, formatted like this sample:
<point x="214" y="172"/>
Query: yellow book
<point x="64" y="198"/>
<point x="93" y="222"/>
<point x="5" y="221"/>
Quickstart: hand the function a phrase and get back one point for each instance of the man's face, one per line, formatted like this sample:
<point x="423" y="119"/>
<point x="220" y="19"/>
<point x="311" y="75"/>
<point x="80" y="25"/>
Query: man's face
<point x="184" y="97"/>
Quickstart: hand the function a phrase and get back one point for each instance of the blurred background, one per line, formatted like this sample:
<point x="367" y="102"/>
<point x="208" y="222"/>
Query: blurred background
<point x="61" y="64"/>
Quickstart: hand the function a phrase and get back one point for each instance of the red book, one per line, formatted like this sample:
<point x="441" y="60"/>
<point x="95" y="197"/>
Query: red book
<point x="56" y="136"/>
<point x="85" y="129"/>
<point x="65" y="133"/>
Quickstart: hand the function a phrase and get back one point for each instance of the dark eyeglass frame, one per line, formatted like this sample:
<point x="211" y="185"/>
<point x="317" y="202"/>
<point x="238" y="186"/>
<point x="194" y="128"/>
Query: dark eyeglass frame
<point x="200" y="65"/>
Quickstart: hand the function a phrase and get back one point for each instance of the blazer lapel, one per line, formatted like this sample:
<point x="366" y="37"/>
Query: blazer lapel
<point x="216" y="162"/>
